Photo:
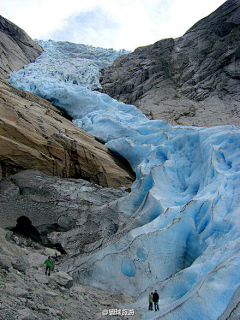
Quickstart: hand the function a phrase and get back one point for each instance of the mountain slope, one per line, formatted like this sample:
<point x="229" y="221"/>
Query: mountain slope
<point x="191" y="80"/>
<point x="34" y="134"/>
<point x="16" y="48"/>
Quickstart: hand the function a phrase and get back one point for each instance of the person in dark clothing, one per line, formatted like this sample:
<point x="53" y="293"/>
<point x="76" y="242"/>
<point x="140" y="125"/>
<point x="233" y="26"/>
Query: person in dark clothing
<point x="155" y="300"/>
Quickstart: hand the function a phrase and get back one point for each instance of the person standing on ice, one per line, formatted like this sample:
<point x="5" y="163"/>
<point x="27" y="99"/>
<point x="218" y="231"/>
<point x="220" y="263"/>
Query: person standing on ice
<point x="155" y="300"/>
<point x="150" y="301"/>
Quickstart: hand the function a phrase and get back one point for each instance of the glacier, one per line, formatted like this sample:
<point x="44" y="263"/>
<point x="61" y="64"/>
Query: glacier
<point x="71" y="63"/>
<point x="183" y="232"/>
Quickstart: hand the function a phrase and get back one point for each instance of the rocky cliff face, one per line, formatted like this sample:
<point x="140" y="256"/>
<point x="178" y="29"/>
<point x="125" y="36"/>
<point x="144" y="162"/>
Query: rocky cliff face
<point x="16" y="48"/>
<point x="35" y="135"/>
<point x="191" y="80"/>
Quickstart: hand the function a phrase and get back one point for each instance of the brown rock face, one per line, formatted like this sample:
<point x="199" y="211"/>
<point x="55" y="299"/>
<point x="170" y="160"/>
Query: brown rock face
<point x="191" y="80"/>
<point x="35" y="135"/>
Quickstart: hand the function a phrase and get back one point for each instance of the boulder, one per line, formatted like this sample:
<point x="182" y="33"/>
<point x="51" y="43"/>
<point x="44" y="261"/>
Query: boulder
<point x="26" y="314"/>
<point x="19" y="265"/>
<point x="191" y="80"/>
<point x="62" y="278"/>
<point x="11" y="256"/>
<point x="36" y="260"/>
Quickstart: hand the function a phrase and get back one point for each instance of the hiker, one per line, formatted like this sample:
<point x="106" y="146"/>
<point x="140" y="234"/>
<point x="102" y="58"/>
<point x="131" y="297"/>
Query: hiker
<point x="150" y="301"/>
<point x="48" y="264"/>
<point x="155" y="300"/>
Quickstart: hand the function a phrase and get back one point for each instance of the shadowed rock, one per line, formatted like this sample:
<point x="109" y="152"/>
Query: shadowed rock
<point x="25" y="227"/>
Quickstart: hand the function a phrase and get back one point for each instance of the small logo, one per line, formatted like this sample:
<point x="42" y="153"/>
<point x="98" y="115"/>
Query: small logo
<point x="104" y="312"/>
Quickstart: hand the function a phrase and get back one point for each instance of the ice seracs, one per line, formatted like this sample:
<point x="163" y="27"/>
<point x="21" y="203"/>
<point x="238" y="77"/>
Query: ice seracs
<point x="70" y="63"/>
<point x="183" y="233"/>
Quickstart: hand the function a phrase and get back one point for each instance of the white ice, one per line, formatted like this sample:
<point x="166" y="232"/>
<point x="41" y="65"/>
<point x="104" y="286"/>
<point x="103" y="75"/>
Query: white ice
<point x="183" y="234"/>
<point x="70" y="63"/>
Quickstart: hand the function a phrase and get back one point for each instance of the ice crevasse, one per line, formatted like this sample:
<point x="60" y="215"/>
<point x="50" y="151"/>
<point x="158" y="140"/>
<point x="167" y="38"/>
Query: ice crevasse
<point x="183" y="232"/>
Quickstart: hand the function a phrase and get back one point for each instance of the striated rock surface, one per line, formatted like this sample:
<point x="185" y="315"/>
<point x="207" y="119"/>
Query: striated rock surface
<point x="35" y="135"/>
<point x="191" y="80"/>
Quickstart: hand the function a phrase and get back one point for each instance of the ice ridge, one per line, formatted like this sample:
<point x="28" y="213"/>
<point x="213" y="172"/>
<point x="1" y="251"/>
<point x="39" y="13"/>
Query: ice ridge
<point x="183" y="234"/>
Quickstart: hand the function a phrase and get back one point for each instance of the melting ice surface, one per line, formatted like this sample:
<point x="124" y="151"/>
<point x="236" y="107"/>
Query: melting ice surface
<point x="183" y="233"/>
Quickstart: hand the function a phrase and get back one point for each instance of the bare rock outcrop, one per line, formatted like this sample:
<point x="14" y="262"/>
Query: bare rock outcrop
<point x="35" y="135"/>
<point x="16" y="48"/>
<point x="191" y="80"/>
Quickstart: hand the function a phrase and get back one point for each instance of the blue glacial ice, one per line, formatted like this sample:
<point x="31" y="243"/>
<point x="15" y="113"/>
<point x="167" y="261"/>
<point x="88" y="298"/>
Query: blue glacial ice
<point x="183" y="232"/>
<point x="71" y="63"/>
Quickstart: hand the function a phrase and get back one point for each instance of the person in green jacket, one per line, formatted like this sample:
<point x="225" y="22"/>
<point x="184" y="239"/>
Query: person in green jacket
<point x="150" y="301"/>
<point x="48" y="264"/>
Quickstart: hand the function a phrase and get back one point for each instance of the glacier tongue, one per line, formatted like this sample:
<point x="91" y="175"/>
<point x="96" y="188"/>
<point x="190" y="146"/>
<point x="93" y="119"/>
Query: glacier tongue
<point x="183" y="234"/>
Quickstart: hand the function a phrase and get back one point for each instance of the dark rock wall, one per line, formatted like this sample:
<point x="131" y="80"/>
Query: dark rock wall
<point x="191" y="80"/>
